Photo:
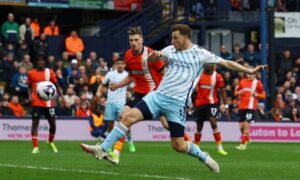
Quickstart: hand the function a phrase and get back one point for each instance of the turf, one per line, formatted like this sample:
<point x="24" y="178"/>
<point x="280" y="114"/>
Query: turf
<point x="153" y="160"/>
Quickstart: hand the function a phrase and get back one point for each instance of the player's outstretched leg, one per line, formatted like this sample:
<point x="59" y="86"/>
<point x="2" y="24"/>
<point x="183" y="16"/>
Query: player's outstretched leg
<point x="101" y="151"/>
<point x="218" y="140"/>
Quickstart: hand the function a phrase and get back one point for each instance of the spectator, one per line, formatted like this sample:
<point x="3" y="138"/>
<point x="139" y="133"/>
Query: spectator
<point x="79" y="58"/>
<point x="62" y="109"/>
<point x="52" y="29"/>
<point x="70" y="97"/>
<point x="59" y="65"/>
<point x="79" y="86"/>
<point x="16" y="107"/>
<point x="22" y="51"/>
<point x="10" y="49"/>
<point x="83" y="110"/>
<point x="102" y="66"/>
<point x="65" y="59"/>
<point x="8" y="68"/>
<point x="26" y="33"/>
<point x="19" y="83"/>
<point x="36" y="27"/>
<point x="41" y="45"/>
<point x="72" y="66"/>
<point x="115" y="57"/>
<point x="224" y="114"/>
<point x="93" y="77"/>
<point x="93" y="57"/>
<point x="285" y="64"/>
<point x="237" y="54"/>
<point x="294" y="115"/>
<point x="4" y="109"/>
<point x="27" y="63"/>
<point x="51" y="62"/>
<point x="96" y="84"/>
<point x="82" y="73"/>
<point x="96" y="120"/>
<point x="224" y="53"/>
<point x="74" y="44"/>
<point x="89" y="68"/>
<point x="10" y="30"/>
<point x="73" y="78"/>
<point x="261" y="115"/>
<point x="251" y="56"/>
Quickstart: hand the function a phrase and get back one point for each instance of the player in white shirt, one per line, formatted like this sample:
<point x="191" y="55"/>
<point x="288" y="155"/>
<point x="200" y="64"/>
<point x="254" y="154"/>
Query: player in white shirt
<point x="115" y="99"/>
<point x="185" y="64"/>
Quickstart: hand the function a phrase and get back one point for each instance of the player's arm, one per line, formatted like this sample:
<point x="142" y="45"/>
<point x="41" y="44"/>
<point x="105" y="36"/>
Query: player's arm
<point x="157" y="55"/>
<point x="60" y="91"/>
<point x="29" y="92"/>
<point x="224" y="96"/>
<point x="260" y="92"/>
<point x="126" y="81"/>
<point x="100" y="92"/>
<point x="237" y="67"/>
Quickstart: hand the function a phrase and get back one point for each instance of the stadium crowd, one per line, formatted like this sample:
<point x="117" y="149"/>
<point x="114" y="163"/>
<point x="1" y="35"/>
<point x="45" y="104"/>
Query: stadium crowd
<point x="80" y="78"/>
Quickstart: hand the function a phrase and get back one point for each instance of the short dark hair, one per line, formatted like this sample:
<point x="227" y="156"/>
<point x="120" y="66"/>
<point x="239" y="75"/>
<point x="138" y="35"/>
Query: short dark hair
<point x="40" y="57"/>
<point x="120" y="59"/>
<point x="135" y="30"/>
<point x="183" y="29"/>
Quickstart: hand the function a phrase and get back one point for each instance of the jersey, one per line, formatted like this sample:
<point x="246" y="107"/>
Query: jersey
<point x="183" y="71"/>
<point x="207" y="88"/>
<point x="118" y="96"/>
<point x="34" y="77"/>
<point x="248" y="87"/>
<point x="146" y="74"/>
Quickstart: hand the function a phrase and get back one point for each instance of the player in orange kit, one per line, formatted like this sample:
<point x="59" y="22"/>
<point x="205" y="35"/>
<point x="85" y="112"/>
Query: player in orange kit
<point x="39" y="106"/>
<point x="250" y="90"/>
<point x="207" y="103"/>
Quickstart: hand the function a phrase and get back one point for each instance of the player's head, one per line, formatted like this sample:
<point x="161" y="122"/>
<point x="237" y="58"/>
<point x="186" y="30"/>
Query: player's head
<point x="209" y="68"/>
<point x="40" y="61"/>
<point x="120" y="65"/>
<point x="181" y="36"/>
<point x="99" y="109"/>
<point x="136" y="38"/>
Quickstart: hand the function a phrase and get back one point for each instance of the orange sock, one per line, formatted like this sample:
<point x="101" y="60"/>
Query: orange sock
<point x="186" y="137"/>
<point x="35" y="142"/>
<point x="197" y="138"/>
<point x="244" y="139"/>
<point x="217" y="136"/>
<point x="119" y="144"/>
<point x="51" y="137"/>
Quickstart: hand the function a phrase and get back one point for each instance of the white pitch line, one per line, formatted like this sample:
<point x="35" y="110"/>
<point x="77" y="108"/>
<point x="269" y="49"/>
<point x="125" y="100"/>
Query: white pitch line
<point x="91" y="172"/>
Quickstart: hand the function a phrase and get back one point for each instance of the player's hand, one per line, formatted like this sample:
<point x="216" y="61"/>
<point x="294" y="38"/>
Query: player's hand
<point x="113" y="86"/>
<point x="259" y="68"/>
<point x="154" y="55"/>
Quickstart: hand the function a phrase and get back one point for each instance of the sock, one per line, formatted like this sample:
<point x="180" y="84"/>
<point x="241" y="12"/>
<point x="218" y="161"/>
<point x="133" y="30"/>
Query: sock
<point x="118" y="132"/>
<point x="197" y="137"/>
<point x="244" y="139"/>
<point x="186" y="137"/>
<point x="129" y="137"/>
<point x="218" y="139"/>
<point x="119" y="144"/>
<point x="51" y="137"/>
<point x="195" y="151"/>
<point x="35" y="142"/>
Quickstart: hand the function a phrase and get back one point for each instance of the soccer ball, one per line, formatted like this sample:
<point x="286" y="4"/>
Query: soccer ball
<point x="46" y="90"/>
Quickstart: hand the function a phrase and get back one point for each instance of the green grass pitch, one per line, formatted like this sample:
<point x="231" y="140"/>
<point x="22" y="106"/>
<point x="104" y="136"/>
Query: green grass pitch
<point x="153" y="160"/>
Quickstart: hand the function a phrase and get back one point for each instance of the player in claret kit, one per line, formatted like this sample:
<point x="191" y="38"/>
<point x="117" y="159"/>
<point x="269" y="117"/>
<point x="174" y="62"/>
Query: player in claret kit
<point x="249" y="91"/>
<point x="207" y="103"/>
<point x="185" y="65"/>
<point x="41" y="107"/>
